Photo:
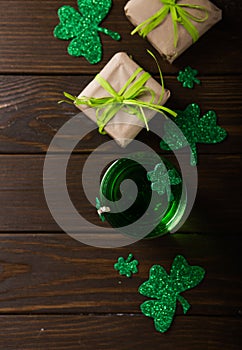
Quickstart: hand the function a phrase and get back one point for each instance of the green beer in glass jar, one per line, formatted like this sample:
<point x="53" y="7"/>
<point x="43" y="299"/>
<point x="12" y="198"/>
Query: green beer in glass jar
<point x="161" y="209"/>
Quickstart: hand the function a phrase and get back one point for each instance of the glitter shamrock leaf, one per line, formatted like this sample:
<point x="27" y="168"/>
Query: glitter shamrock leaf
<point x="188" y="77"/>
<point x="166" y="290"/>
<point x="193" y="129"/>
<point x="162" y="179"/>
<point x="83" y="28"/>
<point x="126" y="267"/>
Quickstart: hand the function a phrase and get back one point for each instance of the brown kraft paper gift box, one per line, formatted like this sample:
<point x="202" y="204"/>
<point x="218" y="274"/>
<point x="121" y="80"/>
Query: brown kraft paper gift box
<point x="162" y="37"/>
<point x="123" y="127"/>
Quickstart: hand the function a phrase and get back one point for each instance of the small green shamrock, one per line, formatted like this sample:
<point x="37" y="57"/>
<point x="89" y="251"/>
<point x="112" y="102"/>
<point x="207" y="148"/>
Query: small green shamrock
<point x="188" y="77"/>
<point x="193" y="129"/>
<point x="126" y="267"/>
<point x="83" y="28"/>
<point x="162" y="179"/>
<point x="166" y="290"/>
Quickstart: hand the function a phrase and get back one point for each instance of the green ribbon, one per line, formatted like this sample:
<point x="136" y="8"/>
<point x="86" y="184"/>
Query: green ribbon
<point x="127" y="97"/>
<point x="178" y="15"/>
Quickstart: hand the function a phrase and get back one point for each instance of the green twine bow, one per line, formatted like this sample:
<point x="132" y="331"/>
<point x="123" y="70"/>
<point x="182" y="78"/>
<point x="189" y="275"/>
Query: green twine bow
<point x="178" y="15"/>
<point x="126" y="97"/>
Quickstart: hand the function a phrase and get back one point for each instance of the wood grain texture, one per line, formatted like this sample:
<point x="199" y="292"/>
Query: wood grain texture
<point x="28" y="45"/>
<point x="57" y="293"/>
<point x="24" y="207"/>
<point x="30" y="115"/>
<point x="52" y="273"/>
<point x="117" y="332"/>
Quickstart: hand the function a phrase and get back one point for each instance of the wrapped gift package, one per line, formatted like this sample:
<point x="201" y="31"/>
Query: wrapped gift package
<point x="123" y="127"/>
<point x="162" y="37"/>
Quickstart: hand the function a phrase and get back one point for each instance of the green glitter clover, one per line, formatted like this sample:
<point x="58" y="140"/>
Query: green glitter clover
<point x="193" y="129"/>
<point x="126" y="267"/>
<point x="166" y="289"/>
<point x="162" y="179"/>
<point x="188" y="77"/>
<point x="83" y="27"/>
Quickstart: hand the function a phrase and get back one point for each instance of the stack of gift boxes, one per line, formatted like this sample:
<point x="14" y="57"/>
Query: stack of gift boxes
<point x="178" y="25"/>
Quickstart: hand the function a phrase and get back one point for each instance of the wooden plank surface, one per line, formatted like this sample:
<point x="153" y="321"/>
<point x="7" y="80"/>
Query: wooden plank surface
<point x="30" y="115"/>
<point x="57" y="293"/>
<point x="117" y="332"/>
<point x="27" y="43"/>
<point x="25" y="208"/>
<point x="52" y="273"/>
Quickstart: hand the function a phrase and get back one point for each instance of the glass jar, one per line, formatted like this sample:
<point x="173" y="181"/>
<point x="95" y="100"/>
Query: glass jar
<point x="163" y="211"/>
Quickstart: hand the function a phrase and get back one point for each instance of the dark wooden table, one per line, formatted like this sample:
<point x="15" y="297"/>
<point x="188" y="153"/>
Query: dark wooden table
<point x="57" y="293"/>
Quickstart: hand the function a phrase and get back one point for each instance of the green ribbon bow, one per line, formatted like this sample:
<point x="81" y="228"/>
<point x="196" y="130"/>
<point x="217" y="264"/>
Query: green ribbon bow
<point x="178" y="14"/>
<point x="126" y="98"/>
